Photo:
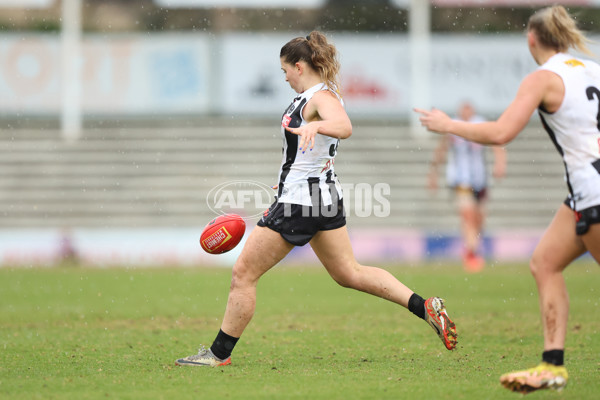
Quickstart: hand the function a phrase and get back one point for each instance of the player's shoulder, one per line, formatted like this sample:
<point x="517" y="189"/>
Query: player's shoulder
<point x="325" y="98"/>
<point x="566" y="63"/>
<point x="541" y="79"/>
<point x="325" y="94"/>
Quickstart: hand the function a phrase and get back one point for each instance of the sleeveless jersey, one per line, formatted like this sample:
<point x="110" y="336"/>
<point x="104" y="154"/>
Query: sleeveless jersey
<point x="302" y="172"/>
<point x="575" y="127"/>
<point x="466" y="164"/>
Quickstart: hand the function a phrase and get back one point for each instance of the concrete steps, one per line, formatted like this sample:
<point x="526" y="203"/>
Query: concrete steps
<point x="151" y="177"/>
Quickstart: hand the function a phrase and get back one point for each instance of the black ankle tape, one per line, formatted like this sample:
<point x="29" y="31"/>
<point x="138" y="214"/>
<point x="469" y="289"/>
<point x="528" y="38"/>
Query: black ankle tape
<point x="223" y="345"/>
<point x="416" y="305"/>
<point x="554" y="357"/>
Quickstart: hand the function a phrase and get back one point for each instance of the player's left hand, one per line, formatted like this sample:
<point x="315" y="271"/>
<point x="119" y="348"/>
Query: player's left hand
<point x="434" y="120"/>
<point x="307" y="135"/>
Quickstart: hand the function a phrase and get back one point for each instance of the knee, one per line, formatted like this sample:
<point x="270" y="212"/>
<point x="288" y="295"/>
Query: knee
<point x="241" y="275"/>
<point x="348" y="277"/>
<point x="540" y="266"/>
<point x="343" y="280"/>
<point x="534" y="267"/>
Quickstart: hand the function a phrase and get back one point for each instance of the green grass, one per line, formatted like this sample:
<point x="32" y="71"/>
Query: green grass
<point x="71" y="333"/>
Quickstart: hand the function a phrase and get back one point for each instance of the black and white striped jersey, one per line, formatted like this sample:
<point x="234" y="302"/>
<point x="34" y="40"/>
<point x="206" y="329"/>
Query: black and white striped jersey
<point x="466" y="164"/>
<point x="302" y="172"/>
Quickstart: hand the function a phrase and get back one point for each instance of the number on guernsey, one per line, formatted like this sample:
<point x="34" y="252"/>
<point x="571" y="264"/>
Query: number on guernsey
<point x="592" y="92"/>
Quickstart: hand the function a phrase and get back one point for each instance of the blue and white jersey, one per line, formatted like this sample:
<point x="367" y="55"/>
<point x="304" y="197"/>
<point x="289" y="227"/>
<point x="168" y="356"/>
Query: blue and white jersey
<point x="575" y="127"/>
<point x="466" y="166"/>
<point x="302" y="172"/>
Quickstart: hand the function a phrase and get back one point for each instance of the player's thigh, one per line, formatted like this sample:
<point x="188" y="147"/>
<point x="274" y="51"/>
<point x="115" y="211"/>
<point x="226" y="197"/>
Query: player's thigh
<point x="334" y="250"/>
<point x="592" y="241"/>
<point x="464" y="199"/>
<point x="559" y="245"/>
<point x="263" y="249"/>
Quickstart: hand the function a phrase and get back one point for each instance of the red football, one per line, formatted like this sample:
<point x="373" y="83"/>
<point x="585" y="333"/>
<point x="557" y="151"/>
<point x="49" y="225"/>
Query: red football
<point x="222" y="234"/>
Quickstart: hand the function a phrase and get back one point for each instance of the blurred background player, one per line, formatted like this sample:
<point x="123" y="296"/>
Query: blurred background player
<point x="467" y="176"/>
<point x="309" y="206"/>
<point x="565" y="90"/>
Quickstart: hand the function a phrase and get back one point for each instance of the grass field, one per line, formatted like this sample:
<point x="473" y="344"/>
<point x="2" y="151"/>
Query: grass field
<point x="70" y="333"/>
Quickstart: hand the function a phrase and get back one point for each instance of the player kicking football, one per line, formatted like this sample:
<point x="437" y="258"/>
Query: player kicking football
<point x="435" y="314"/>
<point x="309" y="206"/>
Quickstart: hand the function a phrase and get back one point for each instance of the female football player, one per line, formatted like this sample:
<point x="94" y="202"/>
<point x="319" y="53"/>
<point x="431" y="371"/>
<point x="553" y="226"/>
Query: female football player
<point x="309" y="206"/>
<point x="566" y="92"/>
<point x="467" y="176"/>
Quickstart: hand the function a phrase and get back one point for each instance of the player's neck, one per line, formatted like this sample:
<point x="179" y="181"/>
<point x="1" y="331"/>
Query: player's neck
<point x="543" y="55"/>
<point x="310" y="81"/>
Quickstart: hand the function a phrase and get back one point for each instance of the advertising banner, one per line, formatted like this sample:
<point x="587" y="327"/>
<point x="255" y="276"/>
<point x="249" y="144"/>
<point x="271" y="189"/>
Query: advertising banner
<point x="240" y="3"/>
<point x="240" y="74"/>
<point x="131" y="74"/>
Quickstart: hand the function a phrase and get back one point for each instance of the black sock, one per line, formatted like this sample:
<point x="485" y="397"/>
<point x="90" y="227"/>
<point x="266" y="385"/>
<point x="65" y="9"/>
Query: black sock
<point x="554" y="357"/>
<point x="416" y="305"/>
<point x="223" y="345"/>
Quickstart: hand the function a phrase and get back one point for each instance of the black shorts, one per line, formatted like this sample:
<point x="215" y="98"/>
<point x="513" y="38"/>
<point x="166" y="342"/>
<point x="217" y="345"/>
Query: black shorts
<point x="298" y="224"/>
<point x="478" y="195"/>
<point x="585" y="218"/>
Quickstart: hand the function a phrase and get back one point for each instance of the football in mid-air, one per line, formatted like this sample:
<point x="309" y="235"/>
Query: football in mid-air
<point x="222" y="233"/>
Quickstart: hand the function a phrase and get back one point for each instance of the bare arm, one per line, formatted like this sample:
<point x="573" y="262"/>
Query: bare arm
<point x="439" y="153"/>
<point x="439" y="157"/>
<point x="325" y="115"/>
<point x="539" y="87"/>
<point x="499" y="170"/>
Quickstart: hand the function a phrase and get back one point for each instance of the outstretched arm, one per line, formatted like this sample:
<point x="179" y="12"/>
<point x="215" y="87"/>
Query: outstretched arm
<point x="533" y="92"/>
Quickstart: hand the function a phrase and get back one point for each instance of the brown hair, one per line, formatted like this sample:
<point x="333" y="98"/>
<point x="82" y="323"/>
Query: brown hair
<point x="317" y="52"/>
<point x="556" y="29"/>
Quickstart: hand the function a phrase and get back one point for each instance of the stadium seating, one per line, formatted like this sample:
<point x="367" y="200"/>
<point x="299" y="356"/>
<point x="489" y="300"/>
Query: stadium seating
<point x="160" y="176"/>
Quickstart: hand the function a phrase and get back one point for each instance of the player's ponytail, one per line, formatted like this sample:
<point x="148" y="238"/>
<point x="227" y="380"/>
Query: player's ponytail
<point x="556" y="29"/>
<point x="324" y="58"/>
<point x="317" y="52"/>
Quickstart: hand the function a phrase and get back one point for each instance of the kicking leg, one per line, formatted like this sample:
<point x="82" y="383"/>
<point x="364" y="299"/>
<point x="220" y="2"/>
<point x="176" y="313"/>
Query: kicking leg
<point x="334" y="250"/>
